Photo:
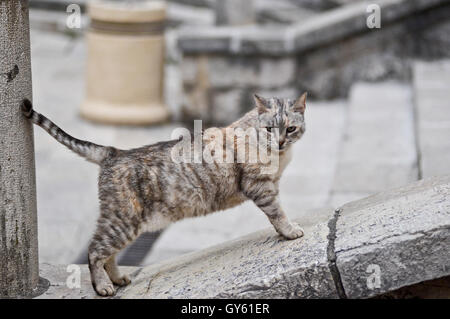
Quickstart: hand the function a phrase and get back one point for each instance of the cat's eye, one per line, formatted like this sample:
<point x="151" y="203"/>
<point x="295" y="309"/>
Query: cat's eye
<point x="291" y="129"/>
<point x="269" y="129"/>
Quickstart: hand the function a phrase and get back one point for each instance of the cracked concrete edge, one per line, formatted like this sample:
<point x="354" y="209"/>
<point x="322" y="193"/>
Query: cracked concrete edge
<point x="331" y="255"/>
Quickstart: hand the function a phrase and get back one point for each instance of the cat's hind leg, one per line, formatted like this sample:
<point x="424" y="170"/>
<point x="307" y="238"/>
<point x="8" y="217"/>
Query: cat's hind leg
<point x="120" y="223"/>
<point x="111" y="236"/>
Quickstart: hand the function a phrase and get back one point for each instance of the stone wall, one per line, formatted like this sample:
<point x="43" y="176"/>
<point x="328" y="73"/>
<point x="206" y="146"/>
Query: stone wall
<point x="223" y="67"/>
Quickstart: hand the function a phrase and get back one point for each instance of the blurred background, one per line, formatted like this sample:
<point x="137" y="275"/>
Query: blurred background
<point x="129" y="72"/>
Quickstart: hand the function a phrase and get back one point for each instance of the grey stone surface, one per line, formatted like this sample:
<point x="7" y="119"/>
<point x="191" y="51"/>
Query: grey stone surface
<point x="62" y="281"/>
<point x="332" y="50"/>
<point x="181" y="14"/>
<point x="332" y="25"/>
<point x="197" y="3"/>
<point x="318" y="4"/>
<point x="432" y="102"/>
<point x="264" y="73"/>
<point x="400" y="236"/>
<point x="18" y="218"/>
<point x="226" y="105"/>
<point x="260" y="265"/>
<point x="234" y="12"/>
<point x="282" y="12"/>
<point x="435" y="41"/>
<point x="219" y="89"/>
<point x="378" y="151"/>
<point x="431" y="289"/>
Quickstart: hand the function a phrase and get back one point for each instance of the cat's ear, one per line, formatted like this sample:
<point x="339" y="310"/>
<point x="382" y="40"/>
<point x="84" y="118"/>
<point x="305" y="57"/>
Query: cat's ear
<point x="260" y="103"/>
<point x="300" y="104"/>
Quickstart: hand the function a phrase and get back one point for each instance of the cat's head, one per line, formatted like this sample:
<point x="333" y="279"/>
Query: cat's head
<point x="283" y="119"/>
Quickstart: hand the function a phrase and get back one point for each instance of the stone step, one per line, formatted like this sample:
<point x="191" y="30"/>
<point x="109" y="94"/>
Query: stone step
<point x="431" y="82"/>
<point x="378" y="150"/>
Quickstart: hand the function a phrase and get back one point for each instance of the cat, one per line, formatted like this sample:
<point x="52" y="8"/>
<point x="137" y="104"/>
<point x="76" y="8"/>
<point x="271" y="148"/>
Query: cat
<point x="143" y="189"/>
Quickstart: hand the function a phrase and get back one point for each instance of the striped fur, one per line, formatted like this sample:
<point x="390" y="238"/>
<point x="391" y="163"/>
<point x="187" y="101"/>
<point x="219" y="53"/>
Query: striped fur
<point x="90" y="151"/>
<point x="144" y="189"/>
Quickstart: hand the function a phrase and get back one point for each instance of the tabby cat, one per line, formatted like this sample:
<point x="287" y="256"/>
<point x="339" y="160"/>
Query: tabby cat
<point x="143" y="189"/>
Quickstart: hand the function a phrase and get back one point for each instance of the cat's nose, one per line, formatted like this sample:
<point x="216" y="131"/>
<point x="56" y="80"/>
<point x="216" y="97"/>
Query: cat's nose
<point x="281" y="143"/>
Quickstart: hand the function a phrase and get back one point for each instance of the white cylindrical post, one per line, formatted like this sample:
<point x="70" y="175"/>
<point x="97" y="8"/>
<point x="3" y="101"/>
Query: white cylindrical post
<point x="125" y="67"/>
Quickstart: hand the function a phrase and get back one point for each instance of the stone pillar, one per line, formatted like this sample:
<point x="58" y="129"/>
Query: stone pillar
<point x="19" y="267"/>
<point x="125" y="64"/>
<point x="234" y="12"/>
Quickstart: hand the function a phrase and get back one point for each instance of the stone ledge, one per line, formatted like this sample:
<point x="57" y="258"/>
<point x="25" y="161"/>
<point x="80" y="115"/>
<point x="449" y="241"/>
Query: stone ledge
<point x="331" y="25"/>
<point x="260" y="265"/>
<point x="401" y="235"/>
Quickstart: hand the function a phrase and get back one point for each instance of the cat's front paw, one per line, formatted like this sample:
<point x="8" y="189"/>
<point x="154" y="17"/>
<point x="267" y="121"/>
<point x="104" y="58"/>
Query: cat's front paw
<point x="293" y="231"/>
<point x="122" y="281"/>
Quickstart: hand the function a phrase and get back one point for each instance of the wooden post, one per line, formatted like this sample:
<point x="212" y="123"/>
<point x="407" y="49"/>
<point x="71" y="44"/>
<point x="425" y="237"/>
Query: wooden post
<point x="19" y="267"/>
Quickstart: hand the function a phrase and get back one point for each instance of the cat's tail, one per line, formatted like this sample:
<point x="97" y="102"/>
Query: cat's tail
<point x="92" y="152"/>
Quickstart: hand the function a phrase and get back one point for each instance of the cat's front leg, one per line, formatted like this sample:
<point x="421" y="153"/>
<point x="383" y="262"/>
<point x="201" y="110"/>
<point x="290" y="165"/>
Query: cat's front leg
<point x="281" y="222"/>
<point x="265" y="196"/>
